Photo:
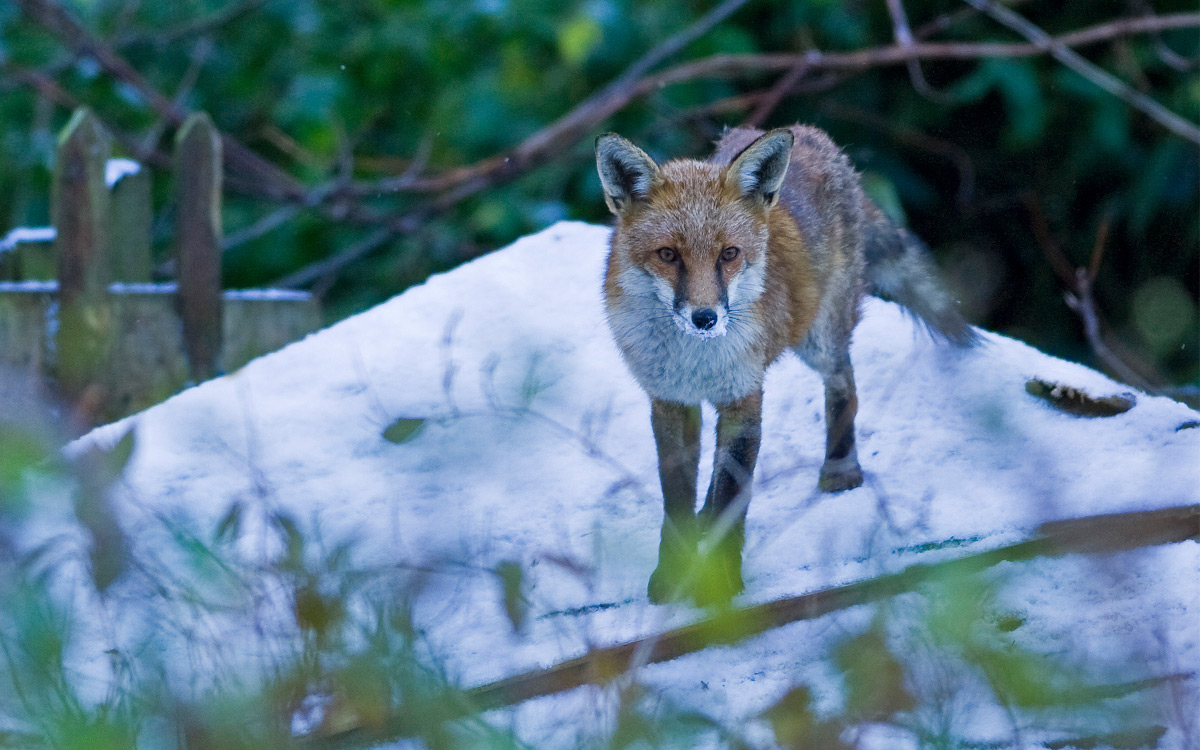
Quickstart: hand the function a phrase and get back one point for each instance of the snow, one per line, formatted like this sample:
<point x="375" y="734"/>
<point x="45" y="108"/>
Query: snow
<point x="27" y="234"/>
<point x="122" y="287"/>
<point x="951" y="444"/>
<point x="116" y="169"/>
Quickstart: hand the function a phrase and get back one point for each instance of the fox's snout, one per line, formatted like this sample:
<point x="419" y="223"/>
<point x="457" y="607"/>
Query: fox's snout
<point x="705" y="322"/>
<point x="704" y="319"/>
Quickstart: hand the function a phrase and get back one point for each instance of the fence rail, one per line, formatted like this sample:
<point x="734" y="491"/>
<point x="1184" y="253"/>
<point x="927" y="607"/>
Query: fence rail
<point x="76" y="305"/>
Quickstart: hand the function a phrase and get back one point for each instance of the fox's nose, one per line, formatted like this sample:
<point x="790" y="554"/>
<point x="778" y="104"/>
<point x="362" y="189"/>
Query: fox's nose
<point x="704" y="319"/>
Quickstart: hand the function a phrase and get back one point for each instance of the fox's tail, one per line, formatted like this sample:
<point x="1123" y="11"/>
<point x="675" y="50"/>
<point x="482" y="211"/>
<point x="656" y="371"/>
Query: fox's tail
<point x="901" y="268"/>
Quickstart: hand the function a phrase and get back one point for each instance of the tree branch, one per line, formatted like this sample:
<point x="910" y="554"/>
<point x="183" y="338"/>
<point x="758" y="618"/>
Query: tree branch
<point x="593" y="111"/>
<point x="1096" y="75"/>
<point x="197" y="27"/>
<point x="247" y="165"/>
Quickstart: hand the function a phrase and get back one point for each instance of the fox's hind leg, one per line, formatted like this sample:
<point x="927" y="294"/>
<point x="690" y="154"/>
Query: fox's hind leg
<point x="830" y="357"/>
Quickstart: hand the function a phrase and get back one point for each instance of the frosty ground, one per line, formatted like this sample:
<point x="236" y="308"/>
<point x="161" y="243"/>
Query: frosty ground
<point x="535" y="448"/>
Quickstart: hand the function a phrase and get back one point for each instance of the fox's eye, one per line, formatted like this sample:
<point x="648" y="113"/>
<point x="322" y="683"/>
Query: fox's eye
<point x="668" y="255"/>
<point x="730" y="253"/>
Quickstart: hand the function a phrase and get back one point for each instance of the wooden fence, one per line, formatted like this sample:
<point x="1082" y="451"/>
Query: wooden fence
<point x="76" y="303"/>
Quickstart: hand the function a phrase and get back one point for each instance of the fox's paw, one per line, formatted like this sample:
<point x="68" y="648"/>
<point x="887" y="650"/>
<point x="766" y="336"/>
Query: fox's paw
<point x="720" y="573"/>
<point x="667" y="584"/>
<point x="718" y="588"/>
<point x="835" y="478"/>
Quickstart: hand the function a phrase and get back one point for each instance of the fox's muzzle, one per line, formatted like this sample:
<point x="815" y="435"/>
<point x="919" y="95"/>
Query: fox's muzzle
<point x="704" y="319"/>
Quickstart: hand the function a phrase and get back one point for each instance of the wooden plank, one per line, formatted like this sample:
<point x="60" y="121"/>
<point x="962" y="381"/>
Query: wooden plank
<point x="147" y="362"/>
<point x="198" y="243"/>
<point x="79" y="211"/>
<point x="35" y="261"/>
<point x="27" y="254"/>
<point x="130" y="216"/>
<point x="23" y="325"/>
<point x="261" y="321"/>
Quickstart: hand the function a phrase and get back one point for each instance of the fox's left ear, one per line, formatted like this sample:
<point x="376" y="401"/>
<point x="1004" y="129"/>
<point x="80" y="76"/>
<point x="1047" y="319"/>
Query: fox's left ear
<point x="759" y="170"/>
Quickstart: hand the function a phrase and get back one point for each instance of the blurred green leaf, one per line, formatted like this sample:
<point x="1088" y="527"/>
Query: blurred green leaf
<point x="403" y="430"/>
<point x="230" y="525"/>
<point x="577" y="38"/>
<point x="512" y="593"/>
<point x="874" y="677"/>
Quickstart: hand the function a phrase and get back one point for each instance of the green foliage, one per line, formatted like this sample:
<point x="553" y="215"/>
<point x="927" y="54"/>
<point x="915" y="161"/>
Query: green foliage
<point x="438" y="84"/>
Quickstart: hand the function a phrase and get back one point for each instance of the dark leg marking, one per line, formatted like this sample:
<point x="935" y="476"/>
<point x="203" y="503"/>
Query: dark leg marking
<point x="677" y="438"/>
<point x="840" y="470"/>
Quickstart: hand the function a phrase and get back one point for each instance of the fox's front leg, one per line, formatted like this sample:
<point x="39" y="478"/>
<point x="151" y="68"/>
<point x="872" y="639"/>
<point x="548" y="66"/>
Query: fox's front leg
<point x="677" y="437"/>
<point x="739" y="434"/>
<point x="840" y="470"/>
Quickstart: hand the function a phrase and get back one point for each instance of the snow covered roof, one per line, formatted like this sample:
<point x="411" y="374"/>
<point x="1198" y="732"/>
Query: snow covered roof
<point x="535" y="445"/>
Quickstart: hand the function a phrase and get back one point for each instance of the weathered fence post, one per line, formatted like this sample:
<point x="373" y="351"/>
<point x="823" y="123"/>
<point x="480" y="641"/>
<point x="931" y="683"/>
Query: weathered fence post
<point x="79" y="210"/>
<point x="198" y="243"/>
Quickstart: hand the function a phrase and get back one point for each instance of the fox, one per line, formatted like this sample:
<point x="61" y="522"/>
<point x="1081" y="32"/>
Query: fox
<point x="716" y="268"/>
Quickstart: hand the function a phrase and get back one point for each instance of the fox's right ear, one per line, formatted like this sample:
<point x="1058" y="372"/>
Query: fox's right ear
<point x="626" y="172"/>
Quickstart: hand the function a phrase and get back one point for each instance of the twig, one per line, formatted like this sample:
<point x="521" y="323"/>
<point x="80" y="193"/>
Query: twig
<point x="197" y="27"/>
<point x="768" y="101"/>
<point x="1091" y="72"/>
<point x="1101" y="534"/>
<point x="904" y="37"/>
<point x="199" y="55"/>
<point x="1078" y="297"/>
<point x="732" y="66"/>
<point x="343" y="257"/>
<point x="268" y="223"/>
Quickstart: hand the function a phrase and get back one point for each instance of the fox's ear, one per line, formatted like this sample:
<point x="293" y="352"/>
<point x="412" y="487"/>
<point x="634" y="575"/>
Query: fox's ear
<point x="759" y="170"/>
<point x="626" y="172"/>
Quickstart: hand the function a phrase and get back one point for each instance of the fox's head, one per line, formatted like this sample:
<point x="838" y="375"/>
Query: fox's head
<point x="693" y="234"/>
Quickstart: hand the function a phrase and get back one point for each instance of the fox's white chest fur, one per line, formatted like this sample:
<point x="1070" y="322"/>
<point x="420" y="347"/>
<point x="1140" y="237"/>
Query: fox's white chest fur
<point x="672" y="365"/>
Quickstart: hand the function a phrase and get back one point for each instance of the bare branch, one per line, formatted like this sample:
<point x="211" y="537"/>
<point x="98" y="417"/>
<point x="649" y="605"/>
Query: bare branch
<point x="591" y="112"/>
<point x="199" y="55"/>
<point x="1079" y="297"/>
<point x="248" y="165"/>
<point x="771" y="98"/>
<point x="345" y="256"/>
<point x="51" y="91"/>
<point x="904" y="37"/>
<point x="197" y="27"/>
<point x="268" y="223"/>
<point x="914" y="138"/>
<point x="1102" y="78"/>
